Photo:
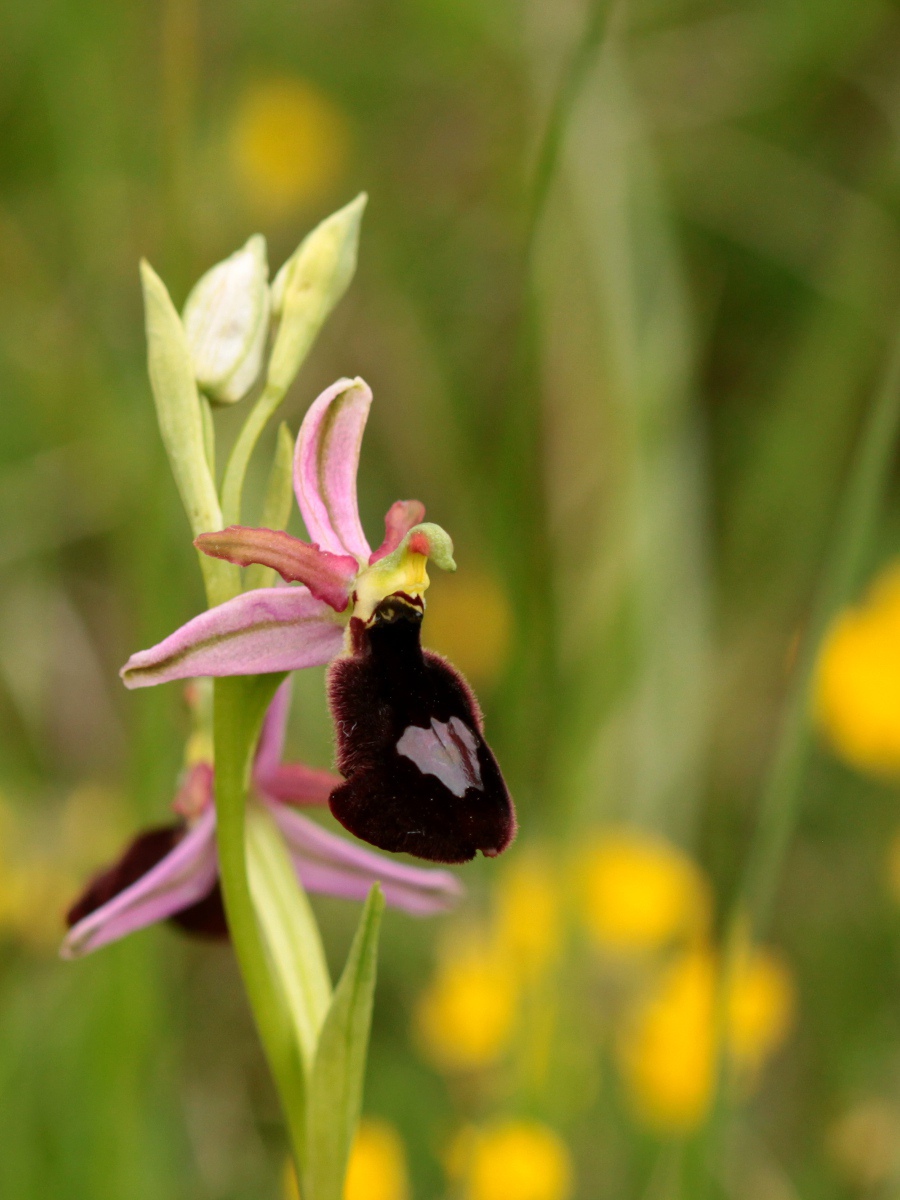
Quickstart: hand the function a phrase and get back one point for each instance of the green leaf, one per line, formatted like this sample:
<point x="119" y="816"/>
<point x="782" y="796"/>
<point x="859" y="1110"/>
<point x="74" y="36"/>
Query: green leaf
<point x="289" y="929"/>
<point x="278" y="502"/>
<point x="337" y="1079"/>
<point x="181" y="424"/>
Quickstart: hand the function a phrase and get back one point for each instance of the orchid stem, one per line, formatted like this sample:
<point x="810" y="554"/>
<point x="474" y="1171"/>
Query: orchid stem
<point x="240" y="705"/>
<point x="239" y="459"/>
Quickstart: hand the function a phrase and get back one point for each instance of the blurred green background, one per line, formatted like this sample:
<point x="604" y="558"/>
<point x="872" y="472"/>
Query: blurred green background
<point x="625" y="364"/>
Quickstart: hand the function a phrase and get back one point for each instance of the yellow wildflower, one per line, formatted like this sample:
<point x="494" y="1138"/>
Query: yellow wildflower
<point x="667" y="1055"/>
<point x="857" y="693"/>
<point x="377" y="1166"/>
<point x="289" y="145"/>
<point x="470" y="622"/>
<point x="668" y="1051"/>
<point x="377" y="1169"/>
<point x="465" y="1017"/>
<point x="511" y="1160"/>
<point x="43" y="857"/>
<point x="760" y="1007"/>
<point x="638" y="893"/>
<point x="528" y="918"/>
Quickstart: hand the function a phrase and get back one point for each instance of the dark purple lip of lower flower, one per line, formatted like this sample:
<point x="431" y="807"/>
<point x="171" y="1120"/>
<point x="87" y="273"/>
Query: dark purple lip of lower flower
<point x="420" y="778"/>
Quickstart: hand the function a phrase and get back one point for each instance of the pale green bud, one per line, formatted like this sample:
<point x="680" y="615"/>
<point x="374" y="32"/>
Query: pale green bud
<point x="226" y="319"/>
<point x="308" y="287"/>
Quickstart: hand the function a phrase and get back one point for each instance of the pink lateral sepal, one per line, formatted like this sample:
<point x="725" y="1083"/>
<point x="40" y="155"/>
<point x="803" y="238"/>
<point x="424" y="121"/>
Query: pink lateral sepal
<point x="328" y="576"/>
<point x="401" y="517"/>
<point x="295" y="783"/>
<point x="258" y="632"/>
<point x="331" y="864"/>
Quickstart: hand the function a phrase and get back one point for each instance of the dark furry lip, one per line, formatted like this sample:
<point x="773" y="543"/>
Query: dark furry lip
<point x="420" y="777"/>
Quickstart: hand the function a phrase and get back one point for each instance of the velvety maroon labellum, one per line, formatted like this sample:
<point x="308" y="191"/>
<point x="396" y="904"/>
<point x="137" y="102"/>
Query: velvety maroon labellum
<point x="206" y="917"/>
<point x="420" y="777"/>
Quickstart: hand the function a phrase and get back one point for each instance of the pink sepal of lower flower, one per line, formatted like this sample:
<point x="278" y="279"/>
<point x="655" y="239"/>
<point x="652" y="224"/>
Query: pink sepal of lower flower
<point x="182" y="883"/>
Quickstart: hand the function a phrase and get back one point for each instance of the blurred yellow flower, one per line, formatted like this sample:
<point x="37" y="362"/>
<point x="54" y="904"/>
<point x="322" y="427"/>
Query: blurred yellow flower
<point x="638" y="892"/>
<point x="857" y="692"/>
<point x="377" y="1166"/>
<point x="666" y="1055"/>
<point x="289" y="145"/>
<point x="377" y="1169"/>
<point x="43" y="858"/>
<point x="760" y="1007"/>
<point x="511" y="1160"/>
<point x="470" y="622"/>
<point x="465" y="1017"/>
<point x="528" y="918"/>
<point x="667" y="1049"/>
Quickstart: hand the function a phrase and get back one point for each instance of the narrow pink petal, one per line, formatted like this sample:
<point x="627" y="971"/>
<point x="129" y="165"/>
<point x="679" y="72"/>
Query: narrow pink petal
<point x="331" y="864"/>
<point x="270" y="629"/>
<point x="183" y="877"/>
<point x="328" y="576"/>
<point x="400" y="519"/>
<point x="295" y="783"/>
<point x="325" y="465"/>
<point x="270" y="747"/>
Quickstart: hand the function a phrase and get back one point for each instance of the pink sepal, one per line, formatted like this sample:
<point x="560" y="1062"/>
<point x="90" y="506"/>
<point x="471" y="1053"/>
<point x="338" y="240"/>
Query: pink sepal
<point x="325" y="465"/>
<point x="329" y="577"/>
<point x="295" y="783"/>
<point x="331" y="864"/>
<point x="267" y="630"/>
<point x="183" y="877"/>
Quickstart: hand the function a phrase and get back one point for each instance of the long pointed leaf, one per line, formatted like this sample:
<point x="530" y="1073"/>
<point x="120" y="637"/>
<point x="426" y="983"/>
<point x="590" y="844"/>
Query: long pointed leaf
<point x="337" y="1079"/>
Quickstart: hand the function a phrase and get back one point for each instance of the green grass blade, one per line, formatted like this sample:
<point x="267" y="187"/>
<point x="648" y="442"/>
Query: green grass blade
<point x="337" y="1080"/>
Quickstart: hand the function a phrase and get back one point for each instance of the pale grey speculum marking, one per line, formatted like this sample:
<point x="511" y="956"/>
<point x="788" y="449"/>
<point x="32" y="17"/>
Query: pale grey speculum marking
<point x="448" y="750"/>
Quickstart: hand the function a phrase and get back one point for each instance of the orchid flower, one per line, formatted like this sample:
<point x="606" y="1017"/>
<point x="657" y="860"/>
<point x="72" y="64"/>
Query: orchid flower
<point x="418" y="775"/>
<point x="171" y="872"/>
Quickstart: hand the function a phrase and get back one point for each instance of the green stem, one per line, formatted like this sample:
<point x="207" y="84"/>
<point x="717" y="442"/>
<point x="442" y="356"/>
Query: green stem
<point x="236" y="470"/>
<point x="240" y="705"/>
<point x="855" y="525"/>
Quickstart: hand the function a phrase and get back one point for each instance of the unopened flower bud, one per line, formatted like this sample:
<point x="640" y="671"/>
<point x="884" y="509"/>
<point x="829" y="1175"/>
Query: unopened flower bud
<point x="226" y="319"/>
<point x="309" y="285"/>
